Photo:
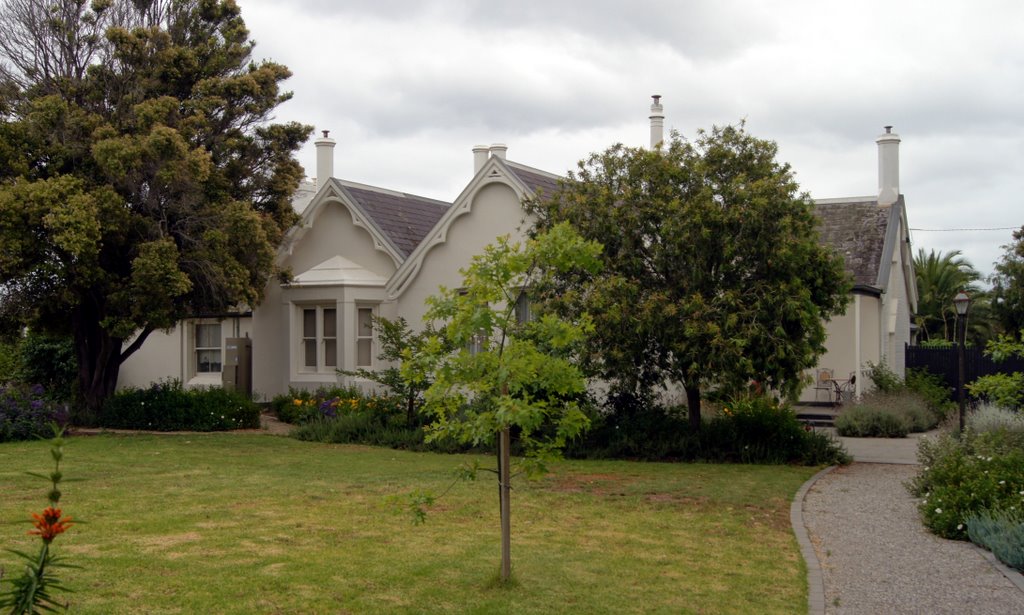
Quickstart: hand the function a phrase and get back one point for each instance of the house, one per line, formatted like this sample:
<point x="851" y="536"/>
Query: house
<point x="872" y="236"/>
<point x="362" y="251"/>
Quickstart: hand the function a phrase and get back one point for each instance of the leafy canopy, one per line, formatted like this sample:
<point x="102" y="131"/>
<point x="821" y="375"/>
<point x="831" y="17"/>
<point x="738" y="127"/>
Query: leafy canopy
<point x="140" y="179"/>
<point x="713" y="274"/>
<point x="1008" y="286"/>
<point x="506" y="372"/>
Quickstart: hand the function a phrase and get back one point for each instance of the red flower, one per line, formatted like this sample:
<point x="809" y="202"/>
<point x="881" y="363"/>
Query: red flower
<point x="49" y="524"/>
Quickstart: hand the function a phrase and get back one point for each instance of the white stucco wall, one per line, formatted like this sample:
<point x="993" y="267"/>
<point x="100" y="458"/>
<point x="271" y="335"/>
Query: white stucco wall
<point x="171" y="354"/>
<point x="494" y="210"/>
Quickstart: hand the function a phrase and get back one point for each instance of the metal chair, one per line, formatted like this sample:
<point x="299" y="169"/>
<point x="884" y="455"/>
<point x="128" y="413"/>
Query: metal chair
<point x="823" y="382"/>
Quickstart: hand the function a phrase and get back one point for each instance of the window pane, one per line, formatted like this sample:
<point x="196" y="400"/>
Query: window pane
<point x="331" y="353"/>
<point x="365" y="327"/>
<point x="330" y="322"/>
<point x="208" y="336"/>
<point x="363" y="352"/>
<point x="207" y="361"/>
<point x="309" y="324"/>
<point x="310" y="351"/>
<point x="523" y="312"/>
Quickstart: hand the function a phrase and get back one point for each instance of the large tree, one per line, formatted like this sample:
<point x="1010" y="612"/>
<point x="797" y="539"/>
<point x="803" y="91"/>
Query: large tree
<point x="1008" y="287"/>
<point x="140" y="179"/>
<point x="713" y="274"/>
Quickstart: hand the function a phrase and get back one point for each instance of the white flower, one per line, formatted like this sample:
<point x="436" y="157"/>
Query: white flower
<point x="1002" y="482"/>
<point x="924" y="501"/>
<point x="938" y="511"/>
<point x="959" y="526"/>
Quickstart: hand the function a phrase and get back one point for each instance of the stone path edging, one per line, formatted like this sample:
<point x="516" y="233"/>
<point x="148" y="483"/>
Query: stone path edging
<point x="815" y="578"/>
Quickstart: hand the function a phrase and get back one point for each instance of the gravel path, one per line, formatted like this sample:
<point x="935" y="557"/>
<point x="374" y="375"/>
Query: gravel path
<point x="877" y="557"/>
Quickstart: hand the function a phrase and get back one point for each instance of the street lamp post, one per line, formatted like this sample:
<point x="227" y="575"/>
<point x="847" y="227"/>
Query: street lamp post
<point x="962" y="303"/>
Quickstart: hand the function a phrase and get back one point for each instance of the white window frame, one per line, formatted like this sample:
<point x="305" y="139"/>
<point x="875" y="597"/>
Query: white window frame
<point x="197" y="349"/>
<point x="318" y="338"/>
<point x="363" y="338"/>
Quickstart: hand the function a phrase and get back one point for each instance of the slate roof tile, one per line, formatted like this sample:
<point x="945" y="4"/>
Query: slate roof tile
<point x="404" y="218"/>
<point x="856" y="230"/>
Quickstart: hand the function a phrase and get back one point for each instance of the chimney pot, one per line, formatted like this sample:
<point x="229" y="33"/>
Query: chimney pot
<point x="499" y="150"/>
<point x="480" y="155"/>
<point x="657" y="122"/>
<point x="888" y="167"/>
<point x="324" y="159"/>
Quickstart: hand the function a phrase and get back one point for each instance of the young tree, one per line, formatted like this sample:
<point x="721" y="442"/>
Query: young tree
<point x="1008" y="287"/>
<point x="398" y="341"/>
<point x="713" y="274"/>
<point x="507" y="373"/>
<point x="142" y="182"/>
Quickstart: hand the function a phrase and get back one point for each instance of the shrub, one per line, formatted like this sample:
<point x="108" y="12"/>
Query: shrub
<point x="883" y="378"/>
<point x="991" y="418"/>
<point x="1002" y="533"/>
<point x="166" y="406"/>
<point x="932" y="388"/>
<point x="748" y="430"/>
<point x="871" y="422"/>
<point x="50" y="361"/>
<point x="26" y="413"/>
<point x="961" y="477"/>
<point x="300" y="406"/>
<point x="1006" y="390"/>
<point x="886" y="415"/>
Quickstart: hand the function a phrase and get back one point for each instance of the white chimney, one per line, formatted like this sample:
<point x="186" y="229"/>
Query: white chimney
<point x="657" y="122"/>
<point x="498" y="150"/>
<point x="480" y="155"/>
<point x="888" y="167"/>
<point x="324" y="159"/>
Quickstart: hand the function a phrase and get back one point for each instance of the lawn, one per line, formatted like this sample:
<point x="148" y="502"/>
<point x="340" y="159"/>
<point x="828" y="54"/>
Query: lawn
<point x="233" y="523"/>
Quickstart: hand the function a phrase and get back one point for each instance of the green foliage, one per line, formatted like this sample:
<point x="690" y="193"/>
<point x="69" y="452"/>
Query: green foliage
<point x="140" y="179"/>
<point x="961" y="477"/>
<point x="1006" y="390"/>
<point x="1002" y="533"/>
<point x="940" y="344"/>
<point x="887" y="415"/>
<point x="883" y="378"/>
<point x="932" y="388"/>
<point x="31" y="592"/>
<point x="26" y="412"/>
<point x="397" y="341"/>
<point x="940" y="276"/>
<point x="1008" y="286"/>
<point x="166" y="406"/>
<point x="504" y="373"/>
<point x="747" y="430"/>
<point x="865" y="422"/>
<point x="713" y="273"/>
<point x="49" y="361"/>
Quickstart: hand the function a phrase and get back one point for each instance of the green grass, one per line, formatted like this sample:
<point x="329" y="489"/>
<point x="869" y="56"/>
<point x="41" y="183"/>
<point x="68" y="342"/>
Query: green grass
<point x="231" y="523"/>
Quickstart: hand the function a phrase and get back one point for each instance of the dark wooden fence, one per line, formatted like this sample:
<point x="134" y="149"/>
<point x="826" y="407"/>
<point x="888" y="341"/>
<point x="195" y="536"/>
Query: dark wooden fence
<point x="943" y="362"/>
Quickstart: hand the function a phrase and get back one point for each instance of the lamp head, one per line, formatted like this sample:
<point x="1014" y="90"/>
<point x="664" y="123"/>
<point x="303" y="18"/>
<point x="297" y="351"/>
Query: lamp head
<point x="961" y="302"/>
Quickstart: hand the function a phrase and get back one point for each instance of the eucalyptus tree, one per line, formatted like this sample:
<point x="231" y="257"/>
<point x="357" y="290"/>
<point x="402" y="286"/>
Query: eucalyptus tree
<point x="713" y="273"/>
<point x="141" y="180"/>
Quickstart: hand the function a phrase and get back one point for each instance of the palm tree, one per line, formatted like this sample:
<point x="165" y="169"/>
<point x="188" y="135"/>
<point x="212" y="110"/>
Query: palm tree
<point x="940" y="276"/>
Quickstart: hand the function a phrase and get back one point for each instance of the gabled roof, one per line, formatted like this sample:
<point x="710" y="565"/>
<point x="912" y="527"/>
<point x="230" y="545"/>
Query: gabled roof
<point x="396" y="221"/>
<point x="535" y="180"/>
<point x="404" y="218"/>
<point x="857" y="229"/>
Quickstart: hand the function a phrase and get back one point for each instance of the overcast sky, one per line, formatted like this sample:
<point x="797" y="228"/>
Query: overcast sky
<point x="407" y="88"/>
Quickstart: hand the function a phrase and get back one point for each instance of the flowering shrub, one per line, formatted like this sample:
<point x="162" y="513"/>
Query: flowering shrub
<point x="26" y="413"/>
<point x="301" y="406"/>
<point x="166" y="406"/>
<point x="30" y="593"/>
<point x="963" y="477"/>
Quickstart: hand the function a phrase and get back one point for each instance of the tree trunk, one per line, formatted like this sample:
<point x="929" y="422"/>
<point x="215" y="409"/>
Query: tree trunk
<point x="505" y="479"/>
<point x="99" y="357"/>
<point x="693" y="406"/>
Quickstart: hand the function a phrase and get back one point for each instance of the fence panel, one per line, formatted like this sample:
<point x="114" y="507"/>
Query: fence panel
<point x="944" y="363"/>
